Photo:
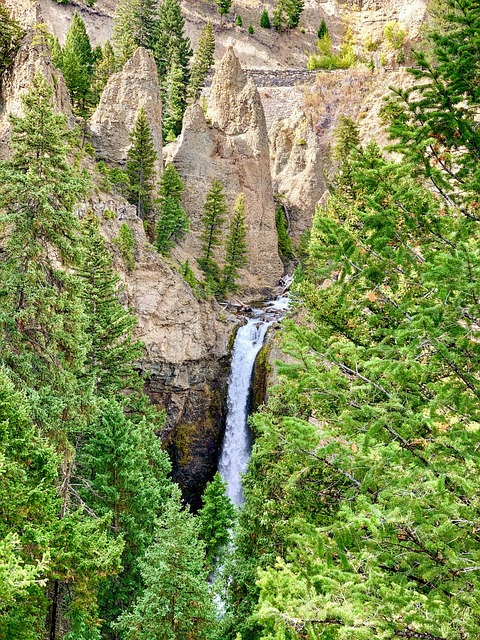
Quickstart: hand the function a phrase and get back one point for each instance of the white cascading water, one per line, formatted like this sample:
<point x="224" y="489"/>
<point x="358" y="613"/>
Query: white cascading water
<point x="236" y="447"/>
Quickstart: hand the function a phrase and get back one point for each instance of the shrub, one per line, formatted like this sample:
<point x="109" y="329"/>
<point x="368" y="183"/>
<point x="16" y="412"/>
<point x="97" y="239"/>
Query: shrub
<point x="322" y="30"/>
<point x="250" y="29"/>
<point x="239" y="21"/>
<point x="395" y="35"/>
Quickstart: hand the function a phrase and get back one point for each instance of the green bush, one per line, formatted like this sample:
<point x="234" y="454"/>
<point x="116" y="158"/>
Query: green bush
<point x="325" y="59"/>
<point x="239" y="21"/>
<point x="265" y="20"/>
<point x="250" y="29"/>
<point x="322" y="30"/>
<point x="395" y="35"/>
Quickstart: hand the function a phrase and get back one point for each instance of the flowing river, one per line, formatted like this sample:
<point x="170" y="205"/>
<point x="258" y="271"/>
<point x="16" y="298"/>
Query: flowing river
<point x="237" y="442"/>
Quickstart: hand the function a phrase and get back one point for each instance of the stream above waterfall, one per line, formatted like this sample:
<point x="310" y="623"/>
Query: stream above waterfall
<point x="237" y="443"/>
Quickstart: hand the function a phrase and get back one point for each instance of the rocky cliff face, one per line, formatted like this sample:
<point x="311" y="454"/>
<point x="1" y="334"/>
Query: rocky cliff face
<point x="185" y="350"/>
<point x="133" y="88"/>
<point x="233" y="148"/>
<point x="30" y="59"/>
<point x="297" y="169"/>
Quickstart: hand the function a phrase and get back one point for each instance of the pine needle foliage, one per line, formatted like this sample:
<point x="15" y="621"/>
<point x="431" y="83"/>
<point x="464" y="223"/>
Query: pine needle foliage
<point x="134" y="25"/>
<point x="77" y="62"/>
<point x="216" y="518"/>
<point x="10" y="36"/>
<point x="202" y="61"/>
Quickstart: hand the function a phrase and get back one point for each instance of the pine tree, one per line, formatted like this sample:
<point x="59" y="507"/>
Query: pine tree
<point x="171" y="42"/>
<point x="215" y="518"/>
<point x="265" y="20"/>
<point x="113" y="351"/>
<point x="140" y="170"/>
<point x="285" y="245"/>
<point x="56" y="52"/>
<point x="287" y="14"/>
<point x="77" y="62"/>
<point x="236" y="246"/>
<point x="10" y="36"/>
<point x="43" y="334"/>
<point x="41" y="320"/>
<point x="214" y="214"/>
<point x="134" y="25"/>
<point x="174" y="100"/>
<point x="104" y="67"/>
<point x="173" y="222"/>
<point x="124" y="473"/>
<point x="30" y="504"/>
<point x="176" y="603"/>
<point x="223" y="8"/>
<point x="202" y="61"/>
<point x="322" y="30"/>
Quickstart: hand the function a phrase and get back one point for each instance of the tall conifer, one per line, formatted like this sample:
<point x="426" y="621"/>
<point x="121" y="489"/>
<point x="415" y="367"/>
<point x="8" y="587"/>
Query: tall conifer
<point x="214" y="214"/>
<point x="77" y="62"/>
<point x="141" y="160"/>
<point x="236" y="245"/>
<point x="173" y="222"/>
<point x="202" y="61"/>
<point x="134" y="25"/>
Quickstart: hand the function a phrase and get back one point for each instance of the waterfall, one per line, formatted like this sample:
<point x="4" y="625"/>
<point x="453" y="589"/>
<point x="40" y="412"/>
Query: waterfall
<point x="237" y="446"/>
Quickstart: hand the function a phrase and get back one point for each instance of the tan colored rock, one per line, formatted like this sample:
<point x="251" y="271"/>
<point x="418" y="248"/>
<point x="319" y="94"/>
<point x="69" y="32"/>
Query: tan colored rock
<point x="297" y="169"/>
<point x="30" y="59"/>
<point x="26" y="12"/>
<point x="185" y="350"/>
<point x="134" y="87"/>
<point x="232" y="148"/>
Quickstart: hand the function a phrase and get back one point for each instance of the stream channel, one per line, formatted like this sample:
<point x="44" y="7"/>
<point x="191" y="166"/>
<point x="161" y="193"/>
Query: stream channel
<point x="237" y="442"/>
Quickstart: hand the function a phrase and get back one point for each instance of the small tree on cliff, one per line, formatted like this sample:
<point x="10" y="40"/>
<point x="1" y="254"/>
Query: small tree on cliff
<point x="223" y="7"/>
<point x="265" y="20"/>
<point x="236" y="247"/>
<point x="214" y="214"/>
<point x="173" y="222"/>
<point x="77" y="62"/>
<point x="140" y="165"/>
<point x="202" y="61"/>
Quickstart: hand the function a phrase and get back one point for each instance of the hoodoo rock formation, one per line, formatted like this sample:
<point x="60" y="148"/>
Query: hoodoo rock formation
<point x="134" y="87"/>
<point x="231" y="146"/>
<point x="30" y="59"/>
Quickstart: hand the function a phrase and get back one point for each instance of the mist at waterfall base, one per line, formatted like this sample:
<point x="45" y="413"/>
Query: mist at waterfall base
<point x="237" y="442"/>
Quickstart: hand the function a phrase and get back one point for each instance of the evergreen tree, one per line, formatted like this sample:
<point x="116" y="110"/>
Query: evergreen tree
<point x="10" y="36"/>
<point x="77" y="62"/>
<point x="265" y="20"/>
<point x="30" y="504"/>
<point x="113" y="351"/>
<point x="123" y="472"/>
<point x="215" y="518"/>
<point x="170" y="40"/>
<point x="140" y="170"/>
<point x="134" y="25"/>
<point x="43" y="336"/>
<point x="41" y="320"/>
<point x="214" y="214"/>
<point x="322" y="30"/>
<point x="173" y="101"/>
<point x="202" y="61"/>
<point x="287" y="14"/>
<point x="176" y="603"/>
<point x="56" y="52"/>
<point x="285" y="245"/>
<point x="223" y="8"/>
<point x="173" y="222"/>
<point x="236" y="246"/>
<point x="105" y="66"/>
